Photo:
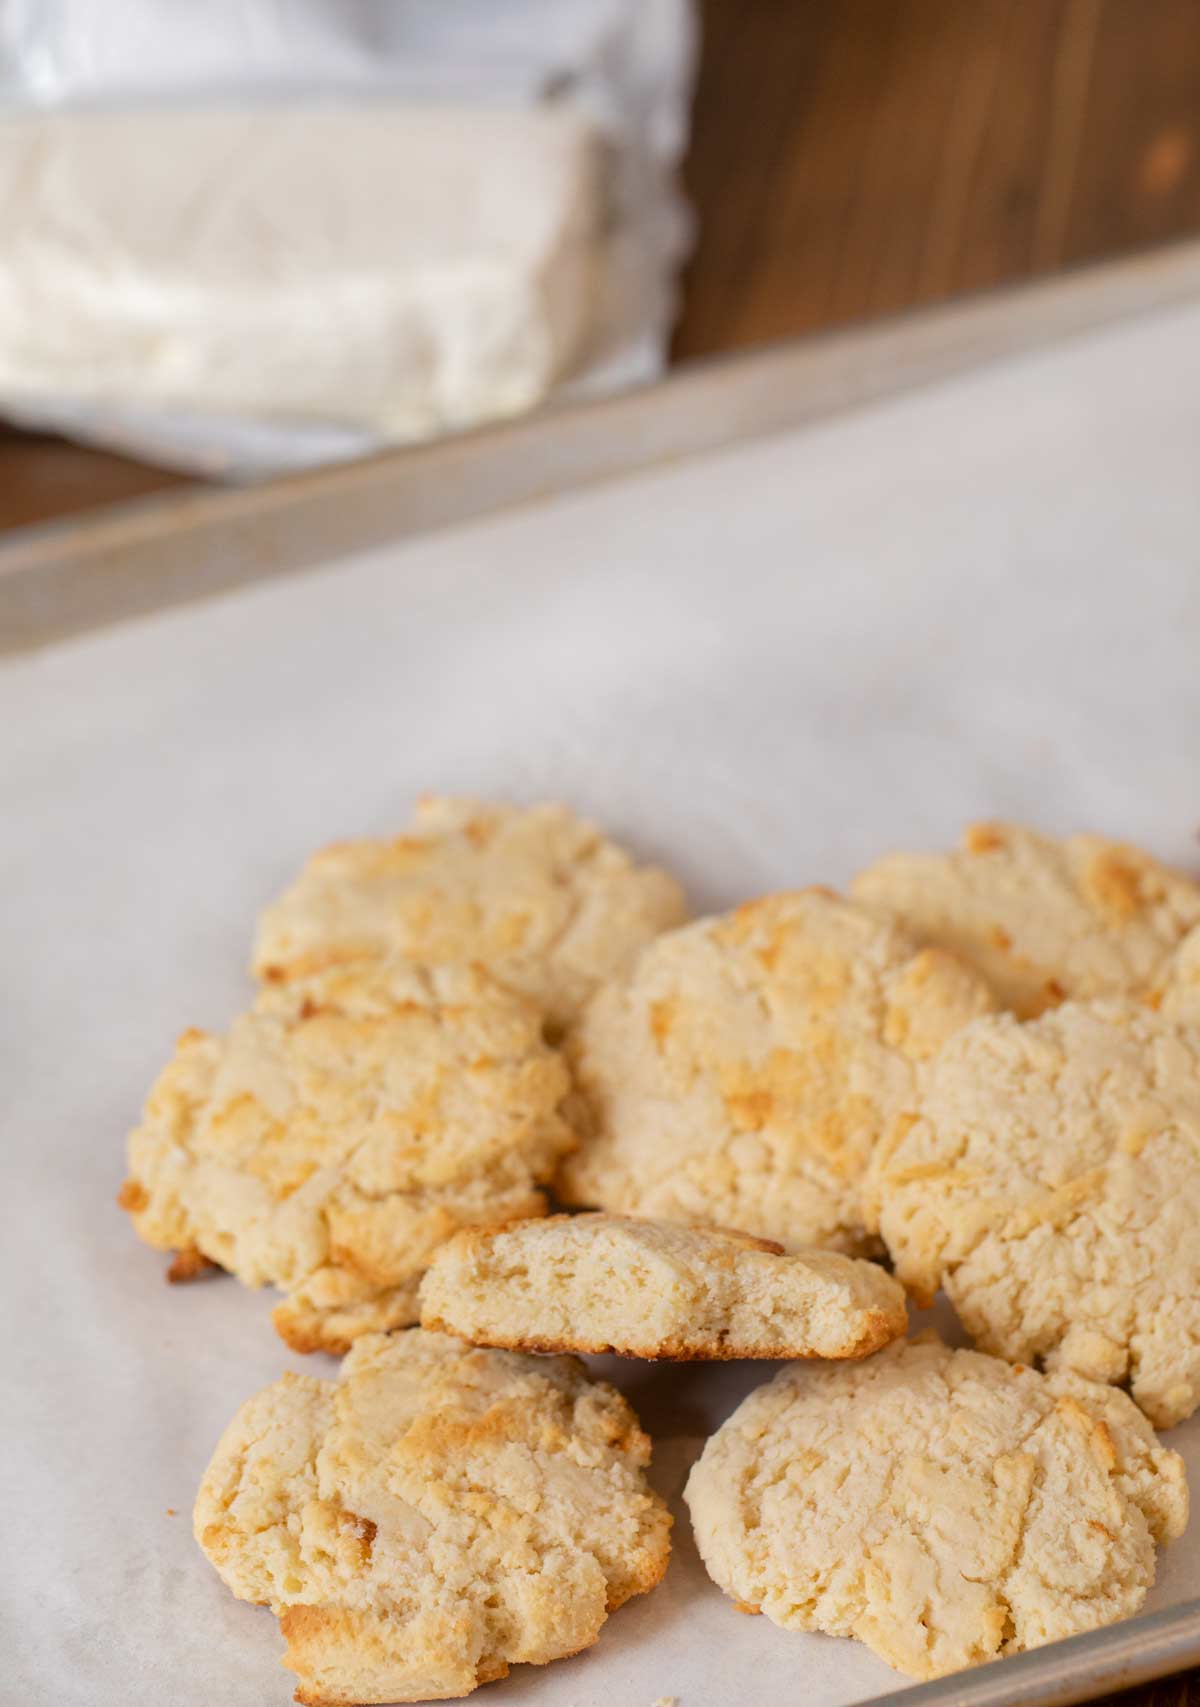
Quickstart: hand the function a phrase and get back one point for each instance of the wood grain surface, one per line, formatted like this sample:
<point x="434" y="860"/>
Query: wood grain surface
<point x="1180" y="1691"/>
<point x="856" y="157"/>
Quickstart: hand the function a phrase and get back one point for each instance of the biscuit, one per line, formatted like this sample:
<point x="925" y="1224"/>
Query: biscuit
<point x="434" y="1516"/>
<point x="941" y="1506"/>
<point x="538" y="897"/>
<point x="345" y="1127"/>
<point x="741" y="1074"/>
<point x="1178" y="995"/>
<point x="606" y="1283"/>
<point x="1051" y="1184"/>
<point x="1044" y="920"/>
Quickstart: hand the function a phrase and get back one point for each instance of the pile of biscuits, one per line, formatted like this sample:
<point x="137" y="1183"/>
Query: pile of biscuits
<point x="982" y="1068"/>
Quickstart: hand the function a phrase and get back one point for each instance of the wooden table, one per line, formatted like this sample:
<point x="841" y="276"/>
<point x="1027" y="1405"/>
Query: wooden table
<point x="857" y="157"/>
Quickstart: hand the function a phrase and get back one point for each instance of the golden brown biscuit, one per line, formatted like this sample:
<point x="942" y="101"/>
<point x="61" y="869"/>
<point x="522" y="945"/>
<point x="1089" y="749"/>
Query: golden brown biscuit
<point x="1051" y="1184"/>
<point x="610" y="1283"/>
<point x="537" y="897"/>
<point x="1045" y="920"/>
<point x="1178" y="993"/>
<point x="941" y="1506"/>
<point x="434" y="1516"/>
<point x="742" y="1073"/>
<point x="345" y="1127"/>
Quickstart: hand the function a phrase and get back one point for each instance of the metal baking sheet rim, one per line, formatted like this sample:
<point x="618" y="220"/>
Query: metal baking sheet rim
<point x="1078" y="1669"/>
<point x="135" y="559"/>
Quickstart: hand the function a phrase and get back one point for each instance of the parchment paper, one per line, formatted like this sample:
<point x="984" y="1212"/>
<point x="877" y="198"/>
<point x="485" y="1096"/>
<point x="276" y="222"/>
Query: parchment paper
<point x="762" y="668"/>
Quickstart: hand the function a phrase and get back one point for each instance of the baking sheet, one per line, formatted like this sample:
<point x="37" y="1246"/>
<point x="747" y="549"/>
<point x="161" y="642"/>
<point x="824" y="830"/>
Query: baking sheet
<point x="761" y="667"/>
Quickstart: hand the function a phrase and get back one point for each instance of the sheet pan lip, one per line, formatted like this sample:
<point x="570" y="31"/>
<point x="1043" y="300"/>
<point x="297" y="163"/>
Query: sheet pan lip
<point x="67" y="578"/>
<point x="1119" y="1656"/>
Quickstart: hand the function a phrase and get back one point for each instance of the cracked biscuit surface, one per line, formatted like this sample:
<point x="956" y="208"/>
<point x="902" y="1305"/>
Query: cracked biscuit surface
<point x="435" y="1515"/>
<point x="610" y="1283"/>
<point x="346" y="1126"/>
<point x="1044" y="919"/>
<point x="941" y="1506"/>
<point x="1178" y="994"/>
<point x="742" y="1073"/>
<point x="1051" y="1184"/>
<point x="538" y="897"/>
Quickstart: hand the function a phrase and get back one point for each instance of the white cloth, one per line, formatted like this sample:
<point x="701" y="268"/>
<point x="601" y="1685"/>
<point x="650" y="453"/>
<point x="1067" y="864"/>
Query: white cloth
<point x="264" y="234"/>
